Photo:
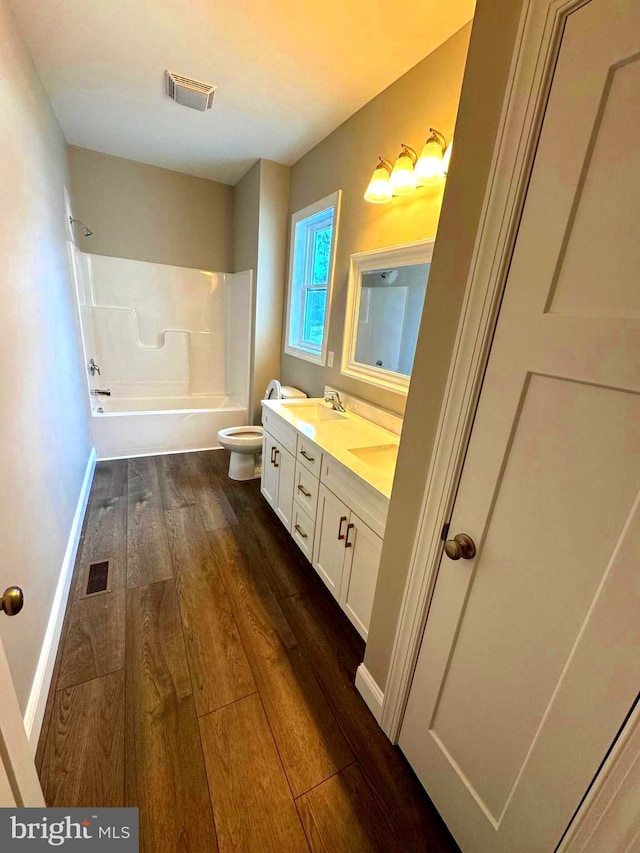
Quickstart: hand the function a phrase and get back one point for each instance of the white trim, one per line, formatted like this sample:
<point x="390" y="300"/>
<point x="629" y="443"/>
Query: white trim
<point x="527" y="89"/>
<point x="333" y="200"/>
<point x="160" y="453"/>
<point x="400" y="255"/>
<point x="370" y="691"/>
<point x="36" y="705"/>
<point x="611" y="810"/>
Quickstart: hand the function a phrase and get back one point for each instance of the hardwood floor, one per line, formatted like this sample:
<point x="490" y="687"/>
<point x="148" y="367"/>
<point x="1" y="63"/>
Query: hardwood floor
<point x="213" y="686"/>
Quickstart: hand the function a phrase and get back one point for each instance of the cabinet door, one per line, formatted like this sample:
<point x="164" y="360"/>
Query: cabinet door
<point x="362" y="560"/>
<point x="329" y="551"/>
<point x="285" y="467"/>
<point x="269" y="481"/>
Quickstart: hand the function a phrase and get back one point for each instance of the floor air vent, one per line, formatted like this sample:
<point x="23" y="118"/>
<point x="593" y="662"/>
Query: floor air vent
<point x="97" y="578"/>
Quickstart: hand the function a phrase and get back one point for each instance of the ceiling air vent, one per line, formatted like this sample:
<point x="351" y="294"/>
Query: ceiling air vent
<point x="190" y="93"/>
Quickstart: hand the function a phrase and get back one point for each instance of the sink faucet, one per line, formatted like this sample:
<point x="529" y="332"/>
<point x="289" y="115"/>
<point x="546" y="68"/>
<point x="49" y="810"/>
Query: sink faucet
<point x="333" y="397"/>
<point x="98" y="392"/>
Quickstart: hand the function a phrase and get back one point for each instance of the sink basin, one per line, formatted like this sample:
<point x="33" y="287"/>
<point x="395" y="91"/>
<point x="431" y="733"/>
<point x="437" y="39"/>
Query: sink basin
<point x="383" y="457"/>
<point x="313" y="413"/>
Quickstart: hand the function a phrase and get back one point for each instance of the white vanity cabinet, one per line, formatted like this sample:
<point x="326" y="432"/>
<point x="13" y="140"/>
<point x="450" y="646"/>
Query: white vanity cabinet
<point x="329" y="551"/>
<point x="335" y="517"/>
<point x="347" y="557"/>
<point x="278" y="472"/>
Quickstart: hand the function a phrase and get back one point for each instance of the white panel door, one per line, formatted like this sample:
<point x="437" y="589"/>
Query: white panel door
<point x="362" y="561"/>
<point x="19" y="784"/>
<point x="269" y="477"/>
<point x="285" y="466"/>
<point x="530" y="659"/>
<point x="329" y="550"/>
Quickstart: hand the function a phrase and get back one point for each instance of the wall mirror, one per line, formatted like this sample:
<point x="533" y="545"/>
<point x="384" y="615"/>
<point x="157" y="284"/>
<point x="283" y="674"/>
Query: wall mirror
<point x="384" y="307"/>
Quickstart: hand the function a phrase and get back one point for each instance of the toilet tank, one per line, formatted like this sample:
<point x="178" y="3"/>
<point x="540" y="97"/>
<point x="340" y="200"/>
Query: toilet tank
<point x="276" y="391"/>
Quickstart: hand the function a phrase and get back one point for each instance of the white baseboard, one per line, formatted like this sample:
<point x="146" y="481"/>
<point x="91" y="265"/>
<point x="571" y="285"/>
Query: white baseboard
<point x="370" y="692"/>
<point x="36" y="705"/>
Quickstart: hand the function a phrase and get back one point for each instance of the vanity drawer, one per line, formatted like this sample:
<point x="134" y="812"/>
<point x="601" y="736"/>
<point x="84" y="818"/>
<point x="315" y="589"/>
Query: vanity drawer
<point x="305" y="490"/>
<point x="309" y="455"/>
<point x="303" y="531"/>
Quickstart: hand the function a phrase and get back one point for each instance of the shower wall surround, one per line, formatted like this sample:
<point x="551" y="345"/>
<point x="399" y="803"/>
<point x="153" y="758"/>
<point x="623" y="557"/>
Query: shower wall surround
<point x="173" y="346"/>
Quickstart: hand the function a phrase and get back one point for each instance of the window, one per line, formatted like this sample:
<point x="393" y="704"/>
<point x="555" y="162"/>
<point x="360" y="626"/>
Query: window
<point x="311" y="264"/>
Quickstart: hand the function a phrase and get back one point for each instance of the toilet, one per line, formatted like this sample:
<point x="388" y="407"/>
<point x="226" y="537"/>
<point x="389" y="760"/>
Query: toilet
<point x="245" y="442"/>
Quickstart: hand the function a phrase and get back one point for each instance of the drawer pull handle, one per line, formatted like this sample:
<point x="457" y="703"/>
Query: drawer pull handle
<point x="348" y="544"/>
<point x="273" y="450"/>
<point x="343" y="518"/>
<point x="275" y="461"/>
<point x="307" y="457"/>
<point x="302" y="489"/>
<point x="300" y="531"/>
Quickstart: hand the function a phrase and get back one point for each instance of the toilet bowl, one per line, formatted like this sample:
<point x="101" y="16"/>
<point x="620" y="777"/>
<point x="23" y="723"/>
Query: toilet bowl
<point x="245" y="442"/>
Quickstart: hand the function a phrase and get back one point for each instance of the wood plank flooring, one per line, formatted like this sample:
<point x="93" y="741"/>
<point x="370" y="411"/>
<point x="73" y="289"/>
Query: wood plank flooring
<point x="213" y="687"/>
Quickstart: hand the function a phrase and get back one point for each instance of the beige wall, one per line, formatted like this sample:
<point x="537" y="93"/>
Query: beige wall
<point x="261" y="223"/>
<point x="426" y="96"/>
<point x="490" y="51"/>
<point x="246" y="220"/>
<point x="151" y="214"/>
<point x="272" y="255"/>
<point x="44" y="444"/>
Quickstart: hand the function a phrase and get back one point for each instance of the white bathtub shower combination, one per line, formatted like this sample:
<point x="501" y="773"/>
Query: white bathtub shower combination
<point x="173" y="346"/>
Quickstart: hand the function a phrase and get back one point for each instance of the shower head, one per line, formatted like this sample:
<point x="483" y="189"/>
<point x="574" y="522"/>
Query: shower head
<point x="86" y="231"/>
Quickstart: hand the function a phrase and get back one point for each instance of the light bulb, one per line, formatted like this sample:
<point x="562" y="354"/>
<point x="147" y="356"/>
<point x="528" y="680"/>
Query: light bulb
<point x="429" y="168"/>
<point x="379" y="189"/>
<point x="403" y="179"/>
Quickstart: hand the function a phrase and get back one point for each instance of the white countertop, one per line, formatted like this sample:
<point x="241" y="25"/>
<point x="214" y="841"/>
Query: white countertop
<point x="339" y="438"/>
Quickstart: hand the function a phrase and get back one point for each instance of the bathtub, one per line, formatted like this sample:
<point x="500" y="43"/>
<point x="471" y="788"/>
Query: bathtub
<point x="149" y="426"/>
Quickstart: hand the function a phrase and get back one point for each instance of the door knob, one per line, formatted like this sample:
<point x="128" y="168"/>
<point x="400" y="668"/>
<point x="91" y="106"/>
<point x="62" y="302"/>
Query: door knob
<point x="460" y="546"/>
<point x="12" y="601"/>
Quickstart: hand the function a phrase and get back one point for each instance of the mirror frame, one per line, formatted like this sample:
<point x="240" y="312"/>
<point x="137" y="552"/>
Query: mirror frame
<point x="402" y="255"/>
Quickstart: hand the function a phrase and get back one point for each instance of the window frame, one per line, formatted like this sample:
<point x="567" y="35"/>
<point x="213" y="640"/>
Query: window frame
<point x="294" y="343"/>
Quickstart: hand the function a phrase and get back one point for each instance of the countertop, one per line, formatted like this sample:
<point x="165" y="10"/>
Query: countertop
<point x="339" y="438"/>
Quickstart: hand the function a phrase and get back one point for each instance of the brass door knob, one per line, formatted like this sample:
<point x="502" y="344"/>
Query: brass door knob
<point x="12" y="600"/>
<point x="460" y="546"/>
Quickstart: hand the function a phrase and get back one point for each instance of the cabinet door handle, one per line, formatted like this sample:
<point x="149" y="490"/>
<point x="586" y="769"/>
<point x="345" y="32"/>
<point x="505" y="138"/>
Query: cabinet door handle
<point x="302" y="489"/>
<point x="300" y="531"/>
<point x="343" y="518"/>
<point x="275" y="460"/>
<point x="348" y="544"/>
<point x="273" y="450"/>
<point x="307" y="457"/>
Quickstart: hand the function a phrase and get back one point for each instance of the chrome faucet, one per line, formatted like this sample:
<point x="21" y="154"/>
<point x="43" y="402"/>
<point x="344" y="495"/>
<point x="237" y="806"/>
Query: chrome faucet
<point x="333" y="397"/>
<point x="93" y="367"/>
<point x="99" y="392"/>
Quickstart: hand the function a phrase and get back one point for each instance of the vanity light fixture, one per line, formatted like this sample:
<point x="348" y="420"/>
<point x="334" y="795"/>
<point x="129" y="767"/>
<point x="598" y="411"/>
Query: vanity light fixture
<point x="429" y="168"/>
<point x="410" y="172"/>
<point x="446" y="160"/>
<point x="379" y="189"/>
<point x="403" y="179"/>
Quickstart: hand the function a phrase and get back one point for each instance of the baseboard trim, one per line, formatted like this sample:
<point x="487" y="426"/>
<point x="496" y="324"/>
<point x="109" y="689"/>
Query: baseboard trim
<point x="370" y="692"/>
<point x="158" y="453"/>
<point x="36" y="705"/>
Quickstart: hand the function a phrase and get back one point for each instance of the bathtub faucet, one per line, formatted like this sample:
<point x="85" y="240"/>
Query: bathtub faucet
<point x="98" y="392"/>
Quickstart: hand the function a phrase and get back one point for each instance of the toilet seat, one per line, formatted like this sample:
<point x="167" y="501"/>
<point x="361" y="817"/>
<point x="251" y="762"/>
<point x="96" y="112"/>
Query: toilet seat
<point x="248" y="438"/>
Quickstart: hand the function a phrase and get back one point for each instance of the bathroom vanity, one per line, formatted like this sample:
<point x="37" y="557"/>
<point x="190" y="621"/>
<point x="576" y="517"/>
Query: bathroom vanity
<point x="328" y="477"/>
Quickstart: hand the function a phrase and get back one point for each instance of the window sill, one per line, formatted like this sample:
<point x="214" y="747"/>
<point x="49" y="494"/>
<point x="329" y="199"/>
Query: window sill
<point x="318" y="358"/>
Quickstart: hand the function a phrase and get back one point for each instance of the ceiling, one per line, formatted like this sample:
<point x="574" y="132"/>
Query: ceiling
<point x="287" y="72"/>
